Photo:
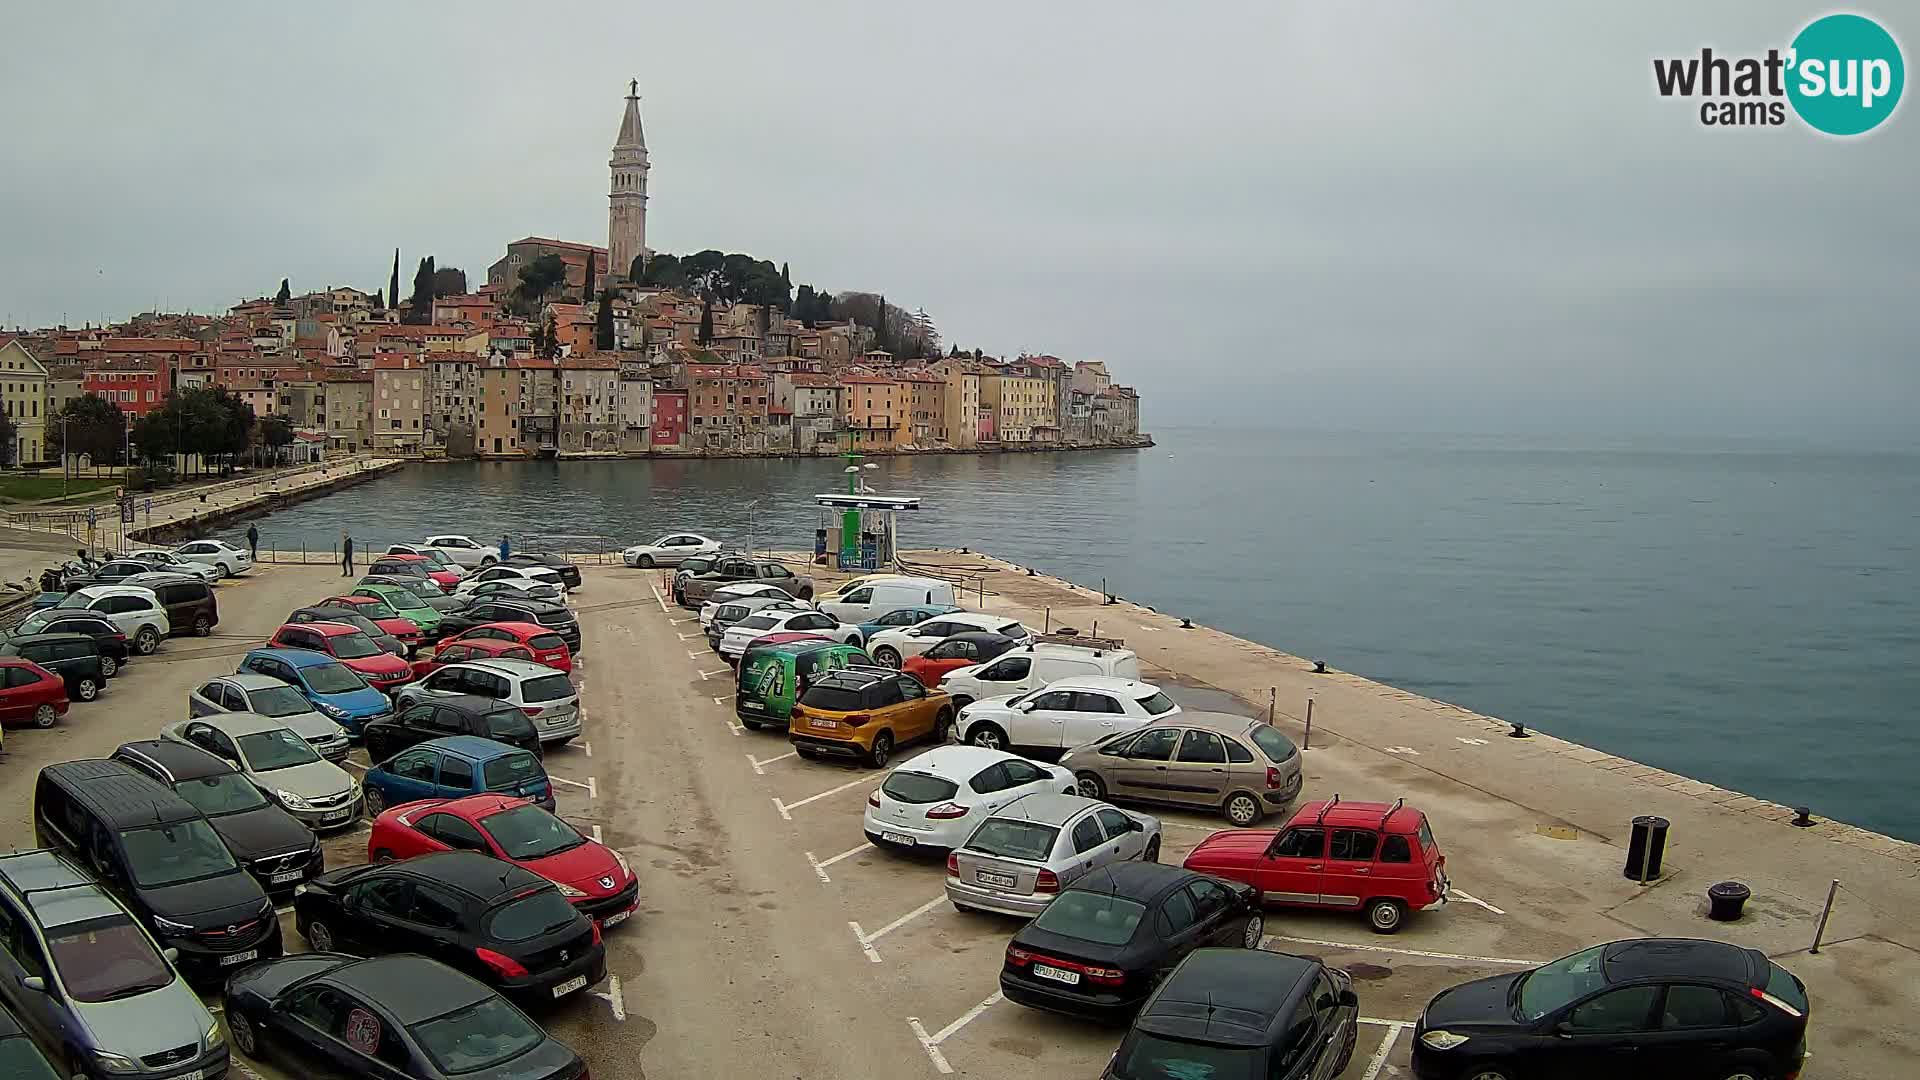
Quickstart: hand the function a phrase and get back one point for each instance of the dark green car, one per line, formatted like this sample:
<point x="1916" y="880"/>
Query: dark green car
<point x="773" y="676"/>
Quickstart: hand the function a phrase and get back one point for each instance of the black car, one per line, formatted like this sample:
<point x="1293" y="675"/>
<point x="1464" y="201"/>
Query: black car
<point x="73" y="657"/>
<point x="162" y="858"/>
<point x="556" y="617"/>
<point x="278" y="850"/>
<point x="113" y="645"/>
<point x="1102" y="946"/>
<point x="343" y="614"/>
<point x="1243" y="1012"/>
<point x="188" y="600"/>
<point x="1653" y="1007"/>
<point x="20" y="1059"/>
<point x="559" y="564"/>
<point x="491" y="919"/>
<point x="330" y="1015"/>
<point x="464" y="714"/>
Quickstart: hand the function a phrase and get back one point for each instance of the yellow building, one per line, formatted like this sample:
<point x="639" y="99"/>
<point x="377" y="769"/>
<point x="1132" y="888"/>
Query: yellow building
<point x="1017" y="404"/>
<point x="497" y="407"/>
<point x="23" y="394"/>
<point x="876" y="412"/>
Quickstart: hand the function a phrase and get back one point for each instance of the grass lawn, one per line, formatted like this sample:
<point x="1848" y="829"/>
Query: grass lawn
<point x="31" y="487"/>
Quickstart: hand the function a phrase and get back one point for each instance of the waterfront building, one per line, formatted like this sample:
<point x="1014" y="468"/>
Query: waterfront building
<point x="400" y="404"/>
<point x="926" y="407"/>
<point x="635" y="411"/>
<point x="728" y="405"/>
<point x="669" y="430"/>
<point x="589" y="404"/>
<point x="138" y="384"/>
<point x="875" y="412"/>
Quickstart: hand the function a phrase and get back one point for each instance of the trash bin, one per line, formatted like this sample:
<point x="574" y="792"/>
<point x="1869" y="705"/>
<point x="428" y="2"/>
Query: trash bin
<point x="1649" y="844"/>
<point x="1725" y="899"/>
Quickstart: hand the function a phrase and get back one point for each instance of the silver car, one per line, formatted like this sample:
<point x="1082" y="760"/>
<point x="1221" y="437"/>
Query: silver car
<point x="317" y="792"/>
<point x="248" y="692"/>
<point x="1242" y="768"/>
<point x="1019" y="859"/>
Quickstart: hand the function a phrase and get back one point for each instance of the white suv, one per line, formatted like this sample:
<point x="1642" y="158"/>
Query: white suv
<point x="1062" y="715"/>
<point x="135" y="610"/>
<point x="222" y="556"/>
<point x="545" y="695"/>
<point x="464" y="550"/>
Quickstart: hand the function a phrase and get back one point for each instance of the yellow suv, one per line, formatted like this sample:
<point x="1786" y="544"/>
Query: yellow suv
<point x="865" y="712"/>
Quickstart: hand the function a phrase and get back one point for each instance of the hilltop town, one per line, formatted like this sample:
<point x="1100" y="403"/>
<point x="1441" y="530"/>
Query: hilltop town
<point x="567" y="349"/>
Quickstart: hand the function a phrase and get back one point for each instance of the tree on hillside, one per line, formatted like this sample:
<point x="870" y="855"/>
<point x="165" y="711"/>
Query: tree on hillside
<point x="420" y="303"/>
<point x="785" y="278"/>
<point x="285" y="294"/>
<point x="393" y="284"/>
<point x="603" y="323"/>
<point x="549" y="345"/>
<point x="586" y="283"/>
<point x="9" y="439"/>
<point x="706" y="317"/>
<point x="803" y="305"/>
<point x="881" y="339"/>
<point x="537" y="278"/>
<point x="449" y="281"/>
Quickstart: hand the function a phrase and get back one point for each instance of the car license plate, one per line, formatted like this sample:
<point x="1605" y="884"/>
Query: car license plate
<point x="197" y="1074"/>
<point x="338" y="815"/>
<point x="616" y="918"/>
<point x="754" y="705"/>
<point x="239" y="958"/>
<point x="897" y="838"/>
<point x="555" y="721"/>
<point x="578" y="982"/>
<point x="291" y="875"/>
<point x="824" y="725"/>
<point x="989" y="877"/>
<point x="1071" y="978"/>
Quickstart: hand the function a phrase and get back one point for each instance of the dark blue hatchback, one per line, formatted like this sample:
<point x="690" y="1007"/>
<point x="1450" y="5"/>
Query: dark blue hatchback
<point x="455" y="766"/>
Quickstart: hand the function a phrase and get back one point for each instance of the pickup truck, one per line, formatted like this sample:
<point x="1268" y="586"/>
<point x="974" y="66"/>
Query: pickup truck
<point x="695" y="589"/>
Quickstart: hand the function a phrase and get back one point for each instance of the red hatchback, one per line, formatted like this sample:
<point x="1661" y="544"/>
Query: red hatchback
<point x="954" y="653"/>
<point x="30" y="694"/>
<point x="405" y="630"/>
<point x="546" y="646"/>
<point x="1346" y="856"/>
<point x="349" y="646"/>
<point x="593" y="876"/>
<point x="453" y="652"/>
<point x="446" y="579"/>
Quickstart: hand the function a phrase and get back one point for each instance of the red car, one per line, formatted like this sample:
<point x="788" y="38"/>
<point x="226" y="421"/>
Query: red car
<point x="1345" y="856"/>
<point x="546" y="646"/>
<point x="405" y="630"/>
<point x="453" y="652"/>
<point x="446" y="579"/>
<point x="593" y="876"/>
<point x="956" y="652"/>
<point x="30" y="694"/>
<point x="382" y="669"/>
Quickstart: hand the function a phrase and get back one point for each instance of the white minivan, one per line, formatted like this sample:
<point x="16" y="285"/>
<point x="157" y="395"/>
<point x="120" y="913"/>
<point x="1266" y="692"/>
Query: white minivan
<point x="1032" y="666"/>
<point x="877" y="596"/>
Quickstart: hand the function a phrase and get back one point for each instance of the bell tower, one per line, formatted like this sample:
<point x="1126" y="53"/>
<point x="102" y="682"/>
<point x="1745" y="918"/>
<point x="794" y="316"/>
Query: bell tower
<point x="627" y="195"/>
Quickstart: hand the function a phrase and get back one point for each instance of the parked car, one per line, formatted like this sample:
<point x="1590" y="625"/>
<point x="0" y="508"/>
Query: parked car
<point x="1063" y="715"/>
<point x="694" y="591"/>
<point x="419" y="574"/>
<point x="454" y="652"/>
<point x="546" y="696"/>
<point x="1345" y="856"/>
<point x="30" y="694"/>
<point x="778" y="668"/>
<point x="501" y="609"/>
<point x="1016" y="861"/>
<point x="275" y="848"/>
<point x="454" y="766"/>
<point x="936" y="800"/>
<point x="459" y="714"/>
<point x="879" y="597"/>
<point x="320" y="794"/>
<point x="381" y="614"/>
<point x="900" y="617"/>
<point x="443" y="577"/>
<point x="1645" y="1007"/>
<point x="691" y="565"/>
<point x="433" y="555"/>
<point x="1242" y="768"/>
<point x="537" y="575"/>
<point x="543" y="645"/>
<point x="1032" y="666"/>
<point x="73" y="657"/>
<point x="423" y="593"/>
<point x="864" y="713"/>
<point x="669" y="550"/>
<point x="389" y="1016"/>
<point x="222" y="556"/>
<point x="761" y="623"/>
<point x="106" y="636"/>
<point x="1244" y="1012"/>
<point x="405" y="604"/>
<point x="595" y="878"/>
<point x="188" y="601"/>
<point x="19" y="1057"/>
<point x="111" y="572"/>
<point x="893" y="646"/>
<point x="136" y="611"/>
<point x="1101" y="946"/>
<point x="336" y="691"/>
<point x="386" y="642"/>
<point x="725" y="615"/>
<point x="559" y="564"/>
<point x="165" y="561"/>
<point x="250" y="692"/>
<point x="746" y="590"/>
<point x="161" y="857"/>
<point x="117" y="1016"/>
<point x="516" y="588"/>
<point x="381" y="669"/>
<point x="464" y="550"/>
<point x="956" y="652"/>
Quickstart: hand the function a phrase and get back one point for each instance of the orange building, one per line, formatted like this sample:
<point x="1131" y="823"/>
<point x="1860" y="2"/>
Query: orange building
<point x="876" y="416"/>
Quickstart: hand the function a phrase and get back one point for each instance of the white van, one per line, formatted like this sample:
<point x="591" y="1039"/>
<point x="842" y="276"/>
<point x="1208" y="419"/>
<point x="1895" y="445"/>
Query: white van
<point x="1032" y="666"/>
<point x="877" y="596"/>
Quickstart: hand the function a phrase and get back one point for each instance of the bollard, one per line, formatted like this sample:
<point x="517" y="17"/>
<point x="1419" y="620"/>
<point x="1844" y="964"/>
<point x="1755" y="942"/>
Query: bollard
<point x="1046" y="627"/>
<point x="1319" y="667"/>
<point x="1646" y="847"/>
<point x="1519" y="731"/>
<point x="1725" y="899"/>
<point x="1273" y="697"/>
<point x="1308" y="743"/>
<point x="1821" y="927"/>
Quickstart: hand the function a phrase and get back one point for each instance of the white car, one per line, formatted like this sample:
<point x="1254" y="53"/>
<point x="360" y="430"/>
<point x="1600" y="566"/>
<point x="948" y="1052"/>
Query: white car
<point x="464" y="550"/>
<point x="132" y="608"/>
<point x="222" y="556"/>
<point x="890" y="647"/>
<point x="937" y="799"/>
<point x="532" y="575"/>
<point x="669" y="550"/>
<point x="166" y="561"/>
<point x="734" y="642"/>
<point x="1062" y="715"/>
<point x="726" y="594"/>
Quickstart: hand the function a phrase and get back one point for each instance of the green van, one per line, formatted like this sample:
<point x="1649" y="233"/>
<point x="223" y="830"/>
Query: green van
<point x="773" y="676"/>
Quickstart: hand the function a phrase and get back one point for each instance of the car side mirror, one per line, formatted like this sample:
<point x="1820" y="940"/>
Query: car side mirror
<point x="1134" y="825"/>
<point x="34" y="983"/>
<point x="1349" y="999"/>
<point x="1564" y="1029"/>
<point x="170" y="954"/>
<point x="1026" y="706"/>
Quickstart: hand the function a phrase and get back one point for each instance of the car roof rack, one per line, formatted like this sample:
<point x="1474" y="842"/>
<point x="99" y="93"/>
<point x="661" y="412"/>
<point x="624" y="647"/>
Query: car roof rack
<point x="1331" y="803"/>
<point x="1391" y="810"/>
<point x="1075" y="637"/>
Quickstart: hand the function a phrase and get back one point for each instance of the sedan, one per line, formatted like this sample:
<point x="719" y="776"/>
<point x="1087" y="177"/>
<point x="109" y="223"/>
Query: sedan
<point x="387" y="643"/>
<point x="761" y="623"/>
<point x="730" y="593"/>
<point x="939" y="798"/>
<point x="1064" y="714"/>
<point x="1017" y="860"/>
<point x="594" y="877"/>
<point x="163" y="560"/>
<point x="317" y="792"/>
<point x="669" y="550"/>
<point x="247" y="692"/>
<point x="904" y="617"/>
<point x="338" y="1015"/>
<point x="891" y="647"/>
<point x="1100" y="947"/>
<point x="222" y="556"/>
<point x="525" y="588"/>
<point x="559" y="564"/>
<point x="532" y="575"/>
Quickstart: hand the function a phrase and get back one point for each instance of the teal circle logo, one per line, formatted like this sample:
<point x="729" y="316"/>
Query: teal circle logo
<point x="1847" y="75"/>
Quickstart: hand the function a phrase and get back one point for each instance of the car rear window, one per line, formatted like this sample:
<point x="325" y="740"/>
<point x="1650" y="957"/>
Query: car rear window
<point x="1426" y="836"/>
<point x="546" y="688"/>
<point x="758" y="622"/>
<point x="547" y="641"/>
<point x="508" y="723"/>
<point x="831" y="699"/>
<point x="918" y="788"/>
<point x="1276" y="746"/>
<point x="1092" y="916"/>
<point x="509" y="772"/>
<point x="1782" y="984"/>
<point x="1151" y="1057"/>
<point x="1157" y="704"/>
<point x="540" y="912"/>
<point x="486" y="1033"/>
<point x="1027" y="840"/>
<point x="1012" y="630"/>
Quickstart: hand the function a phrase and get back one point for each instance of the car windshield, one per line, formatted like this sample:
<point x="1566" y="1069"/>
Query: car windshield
<point x="280" y="748"/>
<point x="277" y="701"/>
<point x="1027" y="840"/>
<point x="357" y="621"/>
<point x="1092" y="916"/>
<point x="33" y="624"/>
<point x="917" y="788"/>
<point x="169" y="854"/>
<point x="531" y="915"/>
<point x="354" y="646"/>
<point x="486" y="1033"/>
<point x="375" y="608"/>
<point x="1156" y="704"/>
<point x="1565" y="980"/>
<point x="106" y="959"/>
<point x="528" y="832"/>
<point x="333" y="679"/>
<point x="437" y="558"/>
<point x="511" y="771"/>
<point x="1150" y="1057"/>
<point x="1276" y="746"/>
<point x="228" y="793"/>
<point x="546" y="688"/>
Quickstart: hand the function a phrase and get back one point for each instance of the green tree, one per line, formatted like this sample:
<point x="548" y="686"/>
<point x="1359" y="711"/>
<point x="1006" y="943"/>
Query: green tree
<point x="285" y="294"/>
<point x="537" y="278"/>
<point x="881" y="338"/>
<point x="420" y="304"/>
<point x="803" y="305"/>
<point x="9" y="440"/>
<point x="89" y="425"/>
<point x="706" y="317"/>
<point x="549" y="344"/>
<point x="393" y="284"/>
<point x="156" y="435"/>
<point x="449" y="281"/>
<point x="786" y="279"/>
<point x="276" y="434"/>
<point x="586" y="283"/>
<point x="379" y="299"/>
<point x="661" y="270"/>
<point x="603" y="323"/>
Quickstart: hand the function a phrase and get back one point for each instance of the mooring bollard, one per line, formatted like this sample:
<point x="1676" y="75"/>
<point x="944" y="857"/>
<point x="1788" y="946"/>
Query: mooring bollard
<point x="1307" y="744"/>
<point x="1821" y="927"/>
<point x="1646" y="847"/>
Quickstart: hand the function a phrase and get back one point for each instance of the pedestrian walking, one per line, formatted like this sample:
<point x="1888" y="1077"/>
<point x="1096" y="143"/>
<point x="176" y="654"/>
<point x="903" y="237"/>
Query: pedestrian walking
<point x="506" y="546"/>
<point x="346" y="554"/>
<point x="253" y="541"/>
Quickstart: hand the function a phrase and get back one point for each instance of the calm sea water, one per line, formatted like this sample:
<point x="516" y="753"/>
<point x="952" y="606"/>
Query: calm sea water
<point x="1744" y="616"/>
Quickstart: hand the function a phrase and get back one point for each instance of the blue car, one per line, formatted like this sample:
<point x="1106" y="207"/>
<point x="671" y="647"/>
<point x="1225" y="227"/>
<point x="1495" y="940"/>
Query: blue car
<point x="906" y="616"/>
<point x="453" y="767"/>
<point x="336" y="690"/>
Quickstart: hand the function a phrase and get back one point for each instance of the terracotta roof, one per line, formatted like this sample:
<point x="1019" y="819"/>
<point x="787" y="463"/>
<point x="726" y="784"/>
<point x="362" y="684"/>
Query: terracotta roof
<point x="172" y="345"/>
<point x="804" y="378"/>
<point x="566" y="244"/>
<point x="441" y="356"/>
<point x="779" y="410"/>
<point x="394" y="363"/>
<point x="591" y="362"/>
<point x="868" y="380"/>
<point x="725" y="371"/>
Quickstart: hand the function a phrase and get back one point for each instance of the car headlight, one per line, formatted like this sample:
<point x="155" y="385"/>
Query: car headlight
<point x="114" y="1063"/>
<point x="1442" y="1040"/>
<point x="291" y="801"/>
<point x="169" y="927"/>
<point x="334" y="711"/>
<point x="214" y="1037"/>
<point x="622" y="860"/>
<point x="570" y="892"/>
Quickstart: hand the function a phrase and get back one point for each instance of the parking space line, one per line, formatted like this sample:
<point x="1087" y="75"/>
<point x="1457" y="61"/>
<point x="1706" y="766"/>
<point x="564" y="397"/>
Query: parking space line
<point x="784" y="807"/>
<point x="690" y="637"/>
<point x="1469" y="898"/>
<point x="596" y="835"/>
<point x="1184" y="825"/>
<point x="719" y="701"/>
<point x="820" y="868"/>
<point x="688" y="619"/>
<point x="1495" y="960"/>
<point x="705" y="675"/>
<point x="691" y="655"/>
<point x="657" y="598"/>
<point x="1379" y="1059"/>
<point x="587" y="746"/>
<point x="866" y="940"/>
<point x="758" y="764"/>
<point x="593" y="791"/>
<point x="613" y="998"/>
<point x="931" y="1043"/>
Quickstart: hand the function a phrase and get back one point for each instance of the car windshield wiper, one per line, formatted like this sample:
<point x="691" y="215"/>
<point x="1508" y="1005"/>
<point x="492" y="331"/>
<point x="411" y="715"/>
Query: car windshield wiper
<point x="130" y="991"/>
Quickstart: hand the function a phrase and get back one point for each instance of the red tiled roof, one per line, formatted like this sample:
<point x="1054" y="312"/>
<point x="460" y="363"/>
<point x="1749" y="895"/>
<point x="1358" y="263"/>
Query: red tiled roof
<point x="868" y="380"/>
<point x="725" y="371"/>
<point x="132" y="345"/>
<point x="567" y="244"/>
<point x="394" y="363"/>
<point x="591" y="362"/>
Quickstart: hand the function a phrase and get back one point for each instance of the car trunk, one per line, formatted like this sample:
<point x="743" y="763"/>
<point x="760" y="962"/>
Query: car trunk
<point x="1016" y="877"/>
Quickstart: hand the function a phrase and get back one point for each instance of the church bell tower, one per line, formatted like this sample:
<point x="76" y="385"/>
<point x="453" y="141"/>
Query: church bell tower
<point x="627" y="195"/>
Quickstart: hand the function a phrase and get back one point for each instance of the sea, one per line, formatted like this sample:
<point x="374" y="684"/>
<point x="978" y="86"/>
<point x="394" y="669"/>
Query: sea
<point x="1745" y="614"/>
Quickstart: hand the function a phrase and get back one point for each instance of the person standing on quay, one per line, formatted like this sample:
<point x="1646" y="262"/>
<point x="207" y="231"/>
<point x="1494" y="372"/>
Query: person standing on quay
<point x="253" y="542"/>
<point x="506" y="546"/>
<point x="346" y="554"/>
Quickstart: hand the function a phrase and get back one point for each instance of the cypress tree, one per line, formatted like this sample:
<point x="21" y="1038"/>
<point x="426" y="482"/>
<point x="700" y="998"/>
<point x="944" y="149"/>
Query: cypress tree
<point x="586" y="287"/>
<point x="393" y="285"/>
<point x="706" y="318"/>
<point x="603" y="323"/>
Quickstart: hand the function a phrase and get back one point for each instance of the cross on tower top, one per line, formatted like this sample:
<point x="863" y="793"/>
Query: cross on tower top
<point x="633" y="88"/>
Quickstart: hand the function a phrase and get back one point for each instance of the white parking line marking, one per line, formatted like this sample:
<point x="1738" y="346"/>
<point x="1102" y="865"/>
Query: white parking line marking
<point x="820" y="868"/>
<point x="657" y="598"/>
<point x="866" y="940"/>
<point x="585" y="745"/>
<point x="691" y="655"/>
<point x="1467" y="897"/>
<point x="593" y="790"/>
<point x="736" y="728"/>
<point x="931" y="1043"/>
<point x="1497" y="960"/>
<point x="1406" y="750"/>
<point x="613" y="998"/>
<point x="758" y="764"/>
<point x="245" y="1069"/>
<point x="1184" y="825"/>
<point x="688" y="619"/>
<point x="1379" y="1059"/>
<point x="355" y="764"/>
<point x="596" y="835"/>
<point x="690" y="637"/>
<point x="719" y="701"/>
<point x="705" y="675"/>
<point x="1469" y="742"/>
<point x="786" y="806"/>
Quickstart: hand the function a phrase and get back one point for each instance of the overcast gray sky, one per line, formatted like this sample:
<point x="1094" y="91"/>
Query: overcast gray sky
<point x="1446" y="217"/>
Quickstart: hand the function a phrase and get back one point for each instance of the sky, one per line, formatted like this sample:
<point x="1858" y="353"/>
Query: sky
<point x="1434" y="217"/>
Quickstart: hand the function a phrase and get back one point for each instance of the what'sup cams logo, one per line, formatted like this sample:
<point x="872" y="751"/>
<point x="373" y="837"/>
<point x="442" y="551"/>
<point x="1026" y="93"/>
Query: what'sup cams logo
<point x="1842" y="75"/>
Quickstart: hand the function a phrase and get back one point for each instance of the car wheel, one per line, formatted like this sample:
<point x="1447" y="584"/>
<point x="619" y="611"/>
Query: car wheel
<point x="45" y="716"/>
<point x="882" y="751"/>
<point x="108" y="665"/>
<point x="147" y="640"/>
<point x="319" y="935"/>
<point x="1255" y="930"/>
<point x="1242" y="809"/>
<point x="487" y="560"/>
<point x="225" y="570"/>
<point x="1091" y="786"/>
<point x="989" y="736"/>
<point x="1386" y="916"/>
<point x="376" y="802"/>
<point x="1152" y="854"/>
<point x="943" y="727"/>
<point x="1746" y="1072"/>
<point x="240" y="1029"/>
<point x="201" y="627"/>
<point x="645" y="562"/>
<point x="86" y="689"/>
<point x="806" y="594"/>
<point x="886" y="656"/>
